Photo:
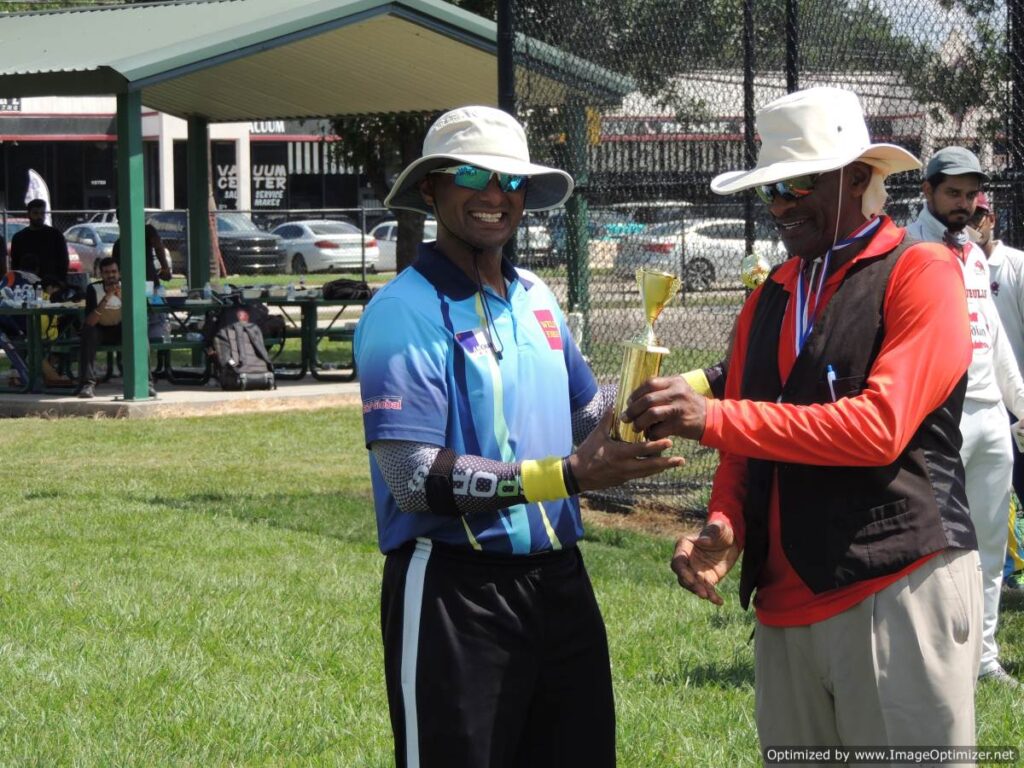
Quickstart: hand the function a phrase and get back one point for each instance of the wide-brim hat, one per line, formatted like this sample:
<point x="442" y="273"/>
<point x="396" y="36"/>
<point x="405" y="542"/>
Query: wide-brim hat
<point x="813" y="131"/>
<point x="487" y="138"/>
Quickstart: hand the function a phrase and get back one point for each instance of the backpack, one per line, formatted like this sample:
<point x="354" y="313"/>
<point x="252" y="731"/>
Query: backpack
<point x="255" y="312"/>
<point x="271" y="326"/>
<point x="343" y="288"/>
<point x="242" y="361"/>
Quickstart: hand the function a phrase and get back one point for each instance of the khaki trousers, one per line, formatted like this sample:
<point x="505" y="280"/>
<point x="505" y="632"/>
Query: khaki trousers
<point x="897" y="669"/>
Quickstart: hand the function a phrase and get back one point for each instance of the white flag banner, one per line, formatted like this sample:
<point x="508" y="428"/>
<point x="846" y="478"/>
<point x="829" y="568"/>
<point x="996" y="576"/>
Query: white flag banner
<point x="37" y="190"/>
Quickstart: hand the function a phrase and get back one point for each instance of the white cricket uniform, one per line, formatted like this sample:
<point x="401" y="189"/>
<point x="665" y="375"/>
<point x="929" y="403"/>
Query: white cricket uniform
<point x="993" y="381"/>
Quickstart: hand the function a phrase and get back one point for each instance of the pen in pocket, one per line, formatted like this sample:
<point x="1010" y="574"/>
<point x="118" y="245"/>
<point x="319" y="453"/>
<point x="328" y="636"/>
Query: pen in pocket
<point x="830" y="377"/>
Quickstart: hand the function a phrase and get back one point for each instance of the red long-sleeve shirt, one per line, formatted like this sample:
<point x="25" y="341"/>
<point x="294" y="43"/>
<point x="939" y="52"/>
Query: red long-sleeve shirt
<point x="926" y="349"/>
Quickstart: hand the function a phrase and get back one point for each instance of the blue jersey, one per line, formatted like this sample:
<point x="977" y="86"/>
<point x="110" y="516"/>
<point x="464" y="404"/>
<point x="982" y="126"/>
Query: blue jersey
<point x="427" y="374"/>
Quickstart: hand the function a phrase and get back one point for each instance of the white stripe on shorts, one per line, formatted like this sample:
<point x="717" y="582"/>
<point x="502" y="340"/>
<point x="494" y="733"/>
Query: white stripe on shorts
<point x="414" y="578"/>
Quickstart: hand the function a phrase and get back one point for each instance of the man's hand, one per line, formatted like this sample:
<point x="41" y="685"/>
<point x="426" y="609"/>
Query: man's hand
<point x="601" y="462"/>
<point x="666" y="406"/>
<point x="700" y="562"/>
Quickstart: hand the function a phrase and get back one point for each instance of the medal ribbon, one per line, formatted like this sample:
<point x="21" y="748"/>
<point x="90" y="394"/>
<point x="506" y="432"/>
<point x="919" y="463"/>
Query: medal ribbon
<point x="806" y="311"/>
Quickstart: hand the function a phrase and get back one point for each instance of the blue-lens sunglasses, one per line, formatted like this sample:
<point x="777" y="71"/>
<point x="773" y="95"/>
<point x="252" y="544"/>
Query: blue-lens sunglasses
<point x="787" y="189"/>
<point x="471" y="177"/>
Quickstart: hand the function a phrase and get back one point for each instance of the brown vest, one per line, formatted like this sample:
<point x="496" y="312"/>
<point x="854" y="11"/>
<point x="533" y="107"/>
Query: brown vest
<point x="840" y="525"/>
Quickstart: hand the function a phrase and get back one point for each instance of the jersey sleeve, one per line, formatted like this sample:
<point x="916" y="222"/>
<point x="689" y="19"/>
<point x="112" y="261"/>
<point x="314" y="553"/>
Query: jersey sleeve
<point x="403" y="361"/>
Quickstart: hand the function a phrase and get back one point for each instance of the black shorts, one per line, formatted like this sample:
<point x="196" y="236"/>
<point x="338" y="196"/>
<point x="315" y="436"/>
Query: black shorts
<point x="494" y="661"/>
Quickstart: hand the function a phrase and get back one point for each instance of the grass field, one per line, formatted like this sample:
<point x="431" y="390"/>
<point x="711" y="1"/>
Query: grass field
<point x="204" y="592"/>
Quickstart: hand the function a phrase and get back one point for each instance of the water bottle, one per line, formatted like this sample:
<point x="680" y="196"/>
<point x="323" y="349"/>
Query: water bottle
<point x="207" y="291"/>
<point x="39" y="295"/>
<point x="291" y="292"/>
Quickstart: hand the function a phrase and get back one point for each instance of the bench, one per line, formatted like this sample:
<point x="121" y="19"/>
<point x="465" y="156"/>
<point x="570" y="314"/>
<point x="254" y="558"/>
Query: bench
<point x="69" y="349"/>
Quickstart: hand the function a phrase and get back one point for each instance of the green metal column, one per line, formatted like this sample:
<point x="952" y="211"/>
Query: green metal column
<point x="135" y="344"/>
<point x="199" y="246"/>
<point x="577" y="240"/>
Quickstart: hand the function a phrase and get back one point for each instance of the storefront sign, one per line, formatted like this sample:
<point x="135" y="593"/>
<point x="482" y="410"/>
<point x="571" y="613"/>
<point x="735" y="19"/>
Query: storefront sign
<point x="269" y="183"/>
<point x="226" y="179"/>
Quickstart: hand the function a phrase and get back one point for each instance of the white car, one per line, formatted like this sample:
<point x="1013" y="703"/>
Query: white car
<point x="703" y="252"/>
<point x="109" y="216"/>
<point x="92" y="242"/>
<point x="533" y="238"/>
<point x="322" y="245"/>
<point x="386" y="235"/>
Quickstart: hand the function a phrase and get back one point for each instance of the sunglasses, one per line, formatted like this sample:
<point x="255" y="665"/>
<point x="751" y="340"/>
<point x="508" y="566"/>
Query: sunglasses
<point x="787" y="189"/>
<point x="471" y="177"/>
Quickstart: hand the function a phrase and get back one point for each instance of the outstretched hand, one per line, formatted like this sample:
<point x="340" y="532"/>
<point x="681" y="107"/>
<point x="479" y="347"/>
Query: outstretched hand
<point x="701" y="561"/>
<point x="602" y="462"/>
<point x="665" y="406"/>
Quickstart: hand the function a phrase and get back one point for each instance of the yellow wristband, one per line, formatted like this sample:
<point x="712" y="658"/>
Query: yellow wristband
<point x="542" y="479"/>
<point x="698" y="380"/>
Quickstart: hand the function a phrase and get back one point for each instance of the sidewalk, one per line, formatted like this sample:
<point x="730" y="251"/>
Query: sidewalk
<point x="183" y="401"/>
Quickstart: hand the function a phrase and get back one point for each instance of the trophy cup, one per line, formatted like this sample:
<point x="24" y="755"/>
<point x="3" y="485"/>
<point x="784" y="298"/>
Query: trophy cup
<point x="642" y="357"/>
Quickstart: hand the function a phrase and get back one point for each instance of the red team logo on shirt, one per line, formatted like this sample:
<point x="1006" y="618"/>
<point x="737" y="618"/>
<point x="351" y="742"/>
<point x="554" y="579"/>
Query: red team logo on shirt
<point x="550" y="327"/>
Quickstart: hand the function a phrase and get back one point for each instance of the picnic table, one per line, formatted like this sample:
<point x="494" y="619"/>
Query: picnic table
<point x="301" y="313"/>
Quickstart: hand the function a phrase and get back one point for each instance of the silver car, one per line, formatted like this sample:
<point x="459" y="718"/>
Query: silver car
<point x="324" y="246"/>
<point x="93" y="242"/>
<point x="386" y="234"/>
<point x="704" y="253"/>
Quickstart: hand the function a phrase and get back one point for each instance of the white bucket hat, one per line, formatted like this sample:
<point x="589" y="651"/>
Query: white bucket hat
<point x="813" y="131"/>
<point x="488" y="138"/>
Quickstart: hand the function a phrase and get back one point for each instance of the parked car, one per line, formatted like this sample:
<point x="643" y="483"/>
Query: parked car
<point x="11" y="227"/>
<point x="703" y="253"/>
<point x="92" y="242"/>
<point x="602" y="224"/>
<point x="74" y="260"/>
<point x="386" y="235"/>
<point x="245" y="247"/>
<point x="109" y="216"/>
<point x="533" y="239"/>
<point x="318" y="245"/>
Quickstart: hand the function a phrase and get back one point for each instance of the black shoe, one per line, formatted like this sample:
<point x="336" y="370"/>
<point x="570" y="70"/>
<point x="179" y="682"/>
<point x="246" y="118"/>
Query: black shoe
<point x="87" y="392"/>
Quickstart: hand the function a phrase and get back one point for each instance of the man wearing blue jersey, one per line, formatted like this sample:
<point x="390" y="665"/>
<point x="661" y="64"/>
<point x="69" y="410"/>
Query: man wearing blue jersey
<point x="474" y="394"/>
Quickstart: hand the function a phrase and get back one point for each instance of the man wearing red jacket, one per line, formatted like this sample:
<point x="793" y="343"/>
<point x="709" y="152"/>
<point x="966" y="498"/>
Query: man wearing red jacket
<point x="840" y="478"/>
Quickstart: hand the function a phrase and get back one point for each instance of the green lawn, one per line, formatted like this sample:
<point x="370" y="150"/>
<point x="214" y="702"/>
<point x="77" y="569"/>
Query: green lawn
<point x="204" y="592"/>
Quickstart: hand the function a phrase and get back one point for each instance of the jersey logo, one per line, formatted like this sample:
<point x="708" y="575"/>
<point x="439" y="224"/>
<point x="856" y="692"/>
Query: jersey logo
<point x="474" y="342"/>
<point x="382" y="403"/>
<point x="550" y="327"/>
<point x="994" y="288"/>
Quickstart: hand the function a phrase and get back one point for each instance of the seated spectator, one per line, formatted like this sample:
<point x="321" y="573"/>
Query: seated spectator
<point x="102" y="324"/>
<point x="40" y="248"/>
<point x="158" y="264"/>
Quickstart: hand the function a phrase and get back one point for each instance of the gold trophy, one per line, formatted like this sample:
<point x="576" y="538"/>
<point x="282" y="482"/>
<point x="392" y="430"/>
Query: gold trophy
<point x="642" y="357"/>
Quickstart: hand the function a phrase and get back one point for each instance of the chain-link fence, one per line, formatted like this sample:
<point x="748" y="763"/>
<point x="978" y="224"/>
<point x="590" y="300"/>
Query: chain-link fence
<point x="645" y="101"/>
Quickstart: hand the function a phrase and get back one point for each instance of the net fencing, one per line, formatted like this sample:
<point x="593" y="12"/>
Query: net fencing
<point x="645" y="101"/>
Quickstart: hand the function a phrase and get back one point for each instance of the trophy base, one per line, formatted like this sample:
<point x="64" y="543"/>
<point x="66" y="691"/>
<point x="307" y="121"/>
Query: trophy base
<point x="640" y="362"/>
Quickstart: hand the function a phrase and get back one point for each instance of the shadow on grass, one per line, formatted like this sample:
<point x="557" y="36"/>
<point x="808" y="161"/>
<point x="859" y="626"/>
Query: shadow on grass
<point x="1012" y="600"/>
<point x="732" y="674"/>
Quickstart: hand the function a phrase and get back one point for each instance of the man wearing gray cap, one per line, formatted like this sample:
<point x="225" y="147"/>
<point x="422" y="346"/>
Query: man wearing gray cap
<point x="951" y="187"/>
<point x="840" y="478"/>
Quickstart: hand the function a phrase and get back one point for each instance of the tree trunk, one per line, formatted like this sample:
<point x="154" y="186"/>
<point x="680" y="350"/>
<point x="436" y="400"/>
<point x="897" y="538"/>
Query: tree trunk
<point x="410" y="224"/>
